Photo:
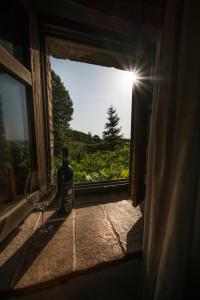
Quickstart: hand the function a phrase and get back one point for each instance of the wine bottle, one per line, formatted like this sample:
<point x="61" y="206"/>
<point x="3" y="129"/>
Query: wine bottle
<point x="65" y="184"/>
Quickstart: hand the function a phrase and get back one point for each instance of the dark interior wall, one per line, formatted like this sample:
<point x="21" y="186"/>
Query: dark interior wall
<point x="128" y="9"/>
<point x="70" y="10"/>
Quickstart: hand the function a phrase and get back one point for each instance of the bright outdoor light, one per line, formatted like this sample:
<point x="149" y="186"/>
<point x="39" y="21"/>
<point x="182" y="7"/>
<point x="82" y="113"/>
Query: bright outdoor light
<point x="135" y="77"/>
<point x="131" y="78"/>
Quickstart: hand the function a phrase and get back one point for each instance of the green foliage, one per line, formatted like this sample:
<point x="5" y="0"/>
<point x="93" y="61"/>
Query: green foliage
<point x="62" y="112"/>
<point x="101" y="165"/>
<point x="84" y="142"/>
<point x="75" y="135"/>
<point x="112" y="134"/>
<point x="18" y="155"/>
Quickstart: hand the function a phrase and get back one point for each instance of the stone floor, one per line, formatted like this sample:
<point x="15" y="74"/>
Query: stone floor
<point x="119" y="282"/>
<point x="101" y="230"/>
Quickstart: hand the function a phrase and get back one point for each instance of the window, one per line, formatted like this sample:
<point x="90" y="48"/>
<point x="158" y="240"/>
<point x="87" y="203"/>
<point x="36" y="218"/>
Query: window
<point x="16" y="132"/>
<point x="15" y="159"/>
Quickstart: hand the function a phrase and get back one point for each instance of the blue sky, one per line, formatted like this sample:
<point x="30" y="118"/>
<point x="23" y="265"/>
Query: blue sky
<point x="93" y="89"/>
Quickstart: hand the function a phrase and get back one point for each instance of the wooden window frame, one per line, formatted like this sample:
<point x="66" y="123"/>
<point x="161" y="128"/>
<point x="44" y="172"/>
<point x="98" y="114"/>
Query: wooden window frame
<point x="31" y="78"/>
<point x="10" y="64"/>
<point x="142" y="97"/>
<point x="13" y="67"/>
<point x="18" y="210"/>
<point x="139" y="146"/>
<point x="17" y="70"/>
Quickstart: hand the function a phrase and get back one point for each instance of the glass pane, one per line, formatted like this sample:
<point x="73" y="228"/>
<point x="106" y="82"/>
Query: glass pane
<point x="15" y="159"/>
<point x="13" y="29"/>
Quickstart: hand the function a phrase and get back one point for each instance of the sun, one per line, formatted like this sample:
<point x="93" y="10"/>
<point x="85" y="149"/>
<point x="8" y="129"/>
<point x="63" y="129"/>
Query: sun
<point x="133" y="77"/>
<point x="130" y="78"/>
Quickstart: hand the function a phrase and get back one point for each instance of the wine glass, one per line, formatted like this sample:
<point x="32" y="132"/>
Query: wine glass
<point x="39" y="203"/>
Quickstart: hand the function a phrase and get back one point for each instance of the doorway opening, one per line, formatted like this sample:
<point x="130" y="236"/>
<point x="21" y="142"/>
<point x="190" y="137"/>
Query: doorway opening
<point x="92" y="117"/>
<point x="106" y="226"/>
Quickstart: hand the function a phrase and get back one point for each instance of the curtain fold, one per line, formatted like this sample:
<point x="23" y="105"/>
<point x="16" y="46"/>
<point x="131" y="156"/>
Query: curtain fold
<point x="170" y="237"/>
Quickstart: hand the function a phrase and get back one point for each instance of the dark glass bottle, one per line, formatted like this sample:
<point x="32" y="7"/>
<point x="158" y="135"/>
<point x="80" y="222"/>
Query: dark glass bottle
<point x="65" y="184"/>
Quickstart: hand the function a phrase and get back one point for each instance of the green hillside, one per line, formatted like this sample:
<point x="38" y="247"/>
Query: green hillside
<point x="91" y="161"/>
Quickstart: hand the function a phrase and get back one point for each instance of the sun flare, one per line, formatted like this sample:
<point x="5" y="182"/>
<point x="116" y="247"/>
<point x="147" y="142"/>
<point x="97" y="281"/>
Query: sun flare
<point x="130" y="78"/>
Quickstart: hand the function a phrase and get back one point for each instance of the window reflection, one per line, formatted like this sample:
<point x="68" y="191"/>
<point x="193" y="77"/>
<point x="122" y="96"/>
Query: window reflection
<point x="15" y="161"/>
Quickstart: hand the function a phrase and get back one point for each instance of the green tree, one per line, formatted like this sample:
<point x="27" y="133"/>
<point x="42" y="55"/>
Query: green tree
<point x="111" y="135"/>
<point x="96" y="138"/>
<point x="62" y="112"/>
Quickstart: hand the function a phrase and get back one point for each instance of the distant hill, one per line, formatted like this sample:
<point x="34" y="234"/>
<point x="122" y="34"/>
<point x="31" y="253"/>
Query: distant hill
<point x="80" y="142"/>
<point x="87" y="138"/>
<point x="76" y="135"/>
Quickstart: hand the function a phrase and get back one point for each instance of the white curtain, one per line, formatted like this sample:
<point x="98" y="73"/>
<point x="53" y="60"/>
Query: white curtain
<point x="171" y="260"/>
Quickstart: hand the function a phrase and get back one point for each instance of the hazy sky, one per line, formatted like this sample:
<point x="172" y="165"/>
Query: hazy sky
<point x="93" y="89"/>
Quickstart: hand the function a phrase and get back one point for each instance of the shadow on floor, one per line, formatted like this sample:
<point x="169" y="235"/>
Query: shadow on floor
<point x="119" y="282"/>
<point x="135" y="235"/>
<point x="17" y="265"/>
<point x="135" y="238"/>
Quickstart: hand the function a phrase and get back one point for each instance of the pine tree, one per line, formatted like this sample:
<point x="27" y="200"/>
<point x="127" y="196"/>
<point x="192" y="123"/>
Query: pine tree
<point x="111" y="135"/>
<point x="62" y="112"/>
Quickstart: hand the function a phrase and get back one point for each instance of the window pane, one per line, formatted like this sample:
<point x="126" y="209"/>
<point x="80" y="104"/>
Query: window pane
<point x="13" y="29"/>
<point x="15" y="159"/>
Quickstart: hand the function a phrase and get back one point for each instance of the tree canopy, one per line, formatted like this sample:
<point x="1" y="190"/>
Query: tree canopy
<point x="62" y="112"/>
<point x="111" y="133"/>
